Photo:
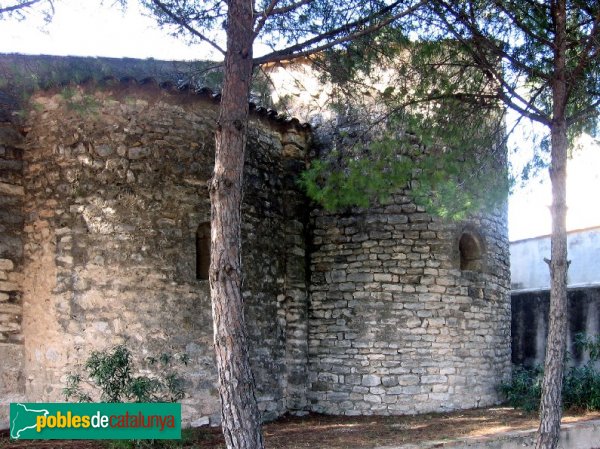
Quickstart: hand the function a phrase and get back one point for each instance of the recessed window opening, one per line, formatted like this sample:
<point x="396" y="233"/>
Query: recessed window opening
<point x="470" y="252"/>
<point x="202" y="251"/>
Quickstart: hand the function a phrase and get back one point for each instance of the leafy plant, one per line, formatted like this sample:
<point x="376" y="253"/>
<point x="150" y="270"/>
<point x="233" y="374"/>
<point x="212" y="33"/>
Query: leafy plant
<point x="581" y="385"/>
<point x="590" y="344"/>
<point x="112" y="372"/>
<point x="524" y="388"/>
<point x="581" y="388"/>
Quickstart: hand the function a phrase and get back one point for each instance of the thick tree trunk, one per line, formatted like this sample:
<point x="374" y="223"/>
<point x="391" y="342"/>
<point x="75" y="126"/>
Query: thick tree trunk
<point x="551" y="411"/>
<point x="239" y="410"/>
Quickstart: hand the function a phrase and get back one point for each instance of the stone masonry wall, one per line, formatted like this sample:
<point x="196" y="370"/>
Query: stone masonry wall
<point x="378" y="311"/>
<point x="12" y="385"/>
<point x="116" y="189"/>
<point x="395" y="325"/>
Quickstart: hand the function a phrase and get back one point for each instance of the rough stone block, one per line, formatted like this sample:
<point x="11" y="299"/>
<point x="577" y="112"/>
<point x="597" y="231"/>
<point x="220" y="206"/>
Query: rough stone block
<point x="11" y="189"/>
<point x="6" y="264"/>
<point x="8" y="286"/>
<point x="138" y="152"/>
<point x="373" y="398"/>
<point x="371" y="380"/>
<point x="433" y="379"/>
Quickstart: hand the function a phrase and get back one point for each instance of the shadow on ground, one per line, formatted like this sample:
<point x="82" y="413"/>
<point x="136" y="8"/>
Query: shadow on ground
<point x="343" y="432"/>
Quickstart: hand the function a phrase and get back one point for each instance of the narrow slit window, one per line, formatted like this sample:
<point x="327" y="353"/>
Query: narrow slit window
<point x="202" y="251"/>
<point x="470" y="252"/>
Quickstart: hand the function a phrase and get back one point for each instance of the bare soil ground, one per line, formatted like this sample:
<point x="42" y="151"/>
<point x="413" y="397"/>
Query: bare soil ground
<point x="340" y="432"/>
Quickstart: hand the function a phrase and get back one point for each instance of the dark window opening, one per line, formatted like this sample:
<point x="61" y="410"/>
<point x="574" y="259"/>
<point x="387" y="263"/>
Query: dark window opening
<point x="202" y="251"/>
<point x="470" y="252"/>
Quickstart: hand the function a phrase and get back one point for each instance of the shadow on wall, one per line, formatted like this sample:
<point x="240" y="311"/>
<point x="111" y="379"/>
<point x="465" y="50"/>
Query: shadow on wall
<point x="530" y="324"/>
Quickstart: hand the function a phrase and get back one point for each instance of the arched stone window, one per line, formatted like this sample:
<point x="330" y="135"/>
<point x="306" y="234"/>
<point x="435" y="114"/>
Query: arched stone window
<point x="202" y="251"/>
<point x="471" y="252"/>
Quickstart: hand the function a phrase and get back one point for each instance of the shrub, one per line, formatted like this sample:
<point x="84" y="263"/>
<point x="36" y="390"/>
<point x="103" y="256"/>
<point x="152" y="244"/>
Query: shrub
<point x="112" y="372"/>
<point x="524" y="389"/>
<point x="581" y="385"/>
<point x="581" y="388"/>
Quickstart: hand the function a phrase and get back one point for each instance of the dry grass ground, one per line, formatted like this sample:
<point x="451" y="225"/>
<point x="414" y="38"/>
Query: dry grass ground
<point x="339" y="432"/>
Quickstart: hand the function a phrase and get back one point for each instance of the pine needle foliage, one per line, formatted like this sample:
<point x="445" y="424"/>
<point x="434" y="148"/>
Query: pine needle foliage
<point x="412" y="130"/>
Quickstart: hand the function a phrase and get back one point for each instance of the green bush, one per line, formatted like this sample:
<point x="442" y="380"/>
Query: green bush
<point x="524" y="389"/>
<point x="112" y="373"/>
<point x="581" y="385"/>
<point x="581" y="388"/>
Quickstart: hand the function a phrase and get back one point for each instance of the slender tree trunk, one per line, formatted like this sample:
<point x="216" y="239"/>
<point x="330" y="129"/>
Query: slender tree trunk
<point x="239" y="410"/>
<point x="551" y="411"/>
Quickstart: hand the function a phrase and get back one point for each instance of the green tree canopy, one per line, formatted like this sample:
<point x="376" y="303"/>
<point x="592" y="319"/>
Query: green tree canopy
<point x="414" y="126"/>
<point x="549" y="72"/>
<point x="290" y="28"/>
<point x="539" y="58"/>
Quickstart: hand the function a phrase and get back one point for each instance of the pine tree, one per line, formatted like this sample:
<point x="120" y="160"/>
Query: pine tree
<point x="539" y="58"/>
<point x="544" y="57"/>
<point x="294" y="28"/>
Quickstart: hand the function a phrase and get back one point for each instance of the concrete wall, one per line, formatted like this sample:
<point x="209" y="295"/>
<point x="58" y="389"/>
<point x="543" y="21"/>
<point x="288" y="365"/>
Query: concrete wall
<point x="530" y="272"/>
<point x="530" y="280"/>
<point x="530" y="312"/>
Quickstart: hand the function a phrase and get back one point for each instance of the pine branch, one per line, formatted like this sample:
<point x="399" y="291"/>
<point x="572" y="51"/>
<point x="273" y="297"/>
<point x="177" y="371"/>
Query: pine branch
<point x="481" y="59"/>
<point x="465" y="97"/>
<point x="579" y="26"/>
<point x="272" y="11"/>
<point x="584" y="6"/>
<point x="589" y="112"/>
<point x="307" y="47"/>
<point x="589" y="53"/>
<point x="474" y="30"/>
<point x="264" y="15"/>
<point x="182" y="23"/>
<point x="19" y="6"/>
<point x="524" y="28"/>
<point x="543" y="119"/>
